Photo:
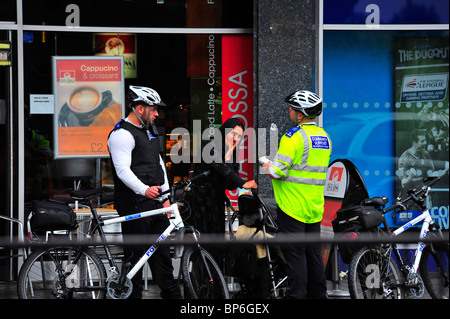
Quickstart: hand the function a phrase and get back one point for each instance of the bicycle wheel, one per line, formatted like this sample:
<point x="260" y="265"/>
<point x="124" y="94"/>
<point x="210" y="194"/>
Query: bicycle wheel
<point x="373" y="275"/>
<point x="434" y="270"/>
<point x="54" y="274"/>
<point x="198" y="283"/>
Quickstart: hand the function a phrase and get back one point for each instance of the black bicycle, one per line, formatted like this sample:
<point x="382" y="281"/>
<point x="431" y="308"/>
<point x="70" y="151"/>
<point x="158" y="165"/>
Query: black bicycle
<point x="259" y="269"/>
<point x="78" y="272"/>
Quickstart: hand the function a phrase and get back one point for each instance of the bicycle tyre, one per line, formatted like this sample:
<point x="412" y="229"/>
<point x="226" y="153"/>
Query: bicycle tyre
<point x="44" y="275"/>
<point x="373" y="275"/>
<point x="196" y="279"/>
<point x="435" y="279"/>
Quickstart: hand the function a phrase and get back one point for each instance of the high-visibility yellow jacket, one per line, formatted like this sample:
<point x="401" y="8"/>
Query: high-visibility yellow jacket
<point x="300" y="168"/>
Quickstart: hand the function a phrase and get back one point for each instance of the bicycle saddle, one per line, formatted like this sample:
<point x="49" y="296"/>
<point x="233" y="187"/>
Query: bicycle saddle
<point x="375" y="201"/>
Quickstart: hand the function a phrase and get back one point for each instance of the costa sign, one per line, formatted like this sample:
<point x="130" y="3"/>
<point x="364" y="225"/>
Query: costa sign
<point x="237" y="93"/>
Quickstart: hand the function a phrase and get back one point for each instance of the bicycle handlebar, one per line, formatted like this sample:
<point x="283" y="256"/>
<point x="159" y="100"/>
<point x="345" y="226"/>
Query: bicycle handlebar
<point x="179" y="185"/>
<point x="90" y="193"/>
<point x="203" y="174"/>
<point x="414" y="195"/>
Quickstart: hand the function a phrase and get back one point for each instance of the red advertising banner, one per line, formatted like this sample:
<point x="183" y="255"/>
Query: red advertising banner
<point x="118" y="44"/>
<point x="237" y="93"/>
<point x="89" y="99"/>
<point x="71" y="71"/>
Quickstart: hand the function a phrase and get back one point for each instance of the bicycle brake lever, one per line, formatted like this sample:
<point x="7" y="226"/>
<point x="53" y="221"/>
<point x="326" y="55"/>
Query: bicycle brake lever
<point x="427" y="192"/>
<point x="400" y="208"/>
<point x="160" y="199"/>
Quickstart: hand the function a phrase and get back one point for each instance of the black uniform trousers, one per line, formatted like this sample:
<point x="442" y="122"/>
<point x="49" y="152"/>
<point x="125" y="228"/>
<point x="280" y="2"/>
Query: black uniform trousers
<point x="160" y="262"/>
<point x="304" y="263"/>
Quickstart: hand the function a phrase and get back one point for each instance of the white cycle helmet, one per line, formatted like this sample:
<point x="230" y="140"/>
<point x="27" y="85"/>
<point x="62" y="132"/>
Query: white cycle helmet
<point x="145" y="95"/>
<point x="308" y="103"/>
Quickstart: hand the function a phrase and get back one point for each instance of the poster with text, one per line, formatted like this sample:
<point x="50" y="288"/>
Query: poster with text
<point x="422" y="122"/>
<point x="89" y="101"/>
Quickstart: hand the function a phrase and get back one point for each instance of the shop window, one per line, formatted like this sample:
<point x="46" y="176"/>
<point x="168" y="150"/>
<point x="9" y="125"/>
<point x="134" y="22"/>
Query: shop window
<point x="390" y="12"/>
<point x="8" y="10"/>
<point x="140" y="13"/>
<point x="379" y="86"/>
<point x="163" y="69"/>
<point x="178" y="66"/>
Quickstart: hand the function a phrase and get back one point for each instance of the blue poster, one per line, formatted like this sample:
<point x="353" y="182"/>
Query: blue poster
<point x="422" y="122"/>
<point x="358" y="96"/>
<point x="361" y="106"/>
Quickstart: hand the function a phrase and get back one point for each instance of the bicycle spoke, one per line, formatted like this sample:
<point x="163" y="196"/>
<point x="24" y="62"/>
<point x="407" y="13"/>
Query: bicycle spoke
<point x="372" y="275"/>
<point x="434" y="269"/>
<point x="51" y="273"/>
<point x="202" y="276"/>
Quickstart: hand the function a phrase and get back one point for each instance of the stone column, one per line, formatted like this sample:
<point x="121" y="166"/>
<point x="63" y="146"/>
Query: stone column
<point x="285" y="53"/>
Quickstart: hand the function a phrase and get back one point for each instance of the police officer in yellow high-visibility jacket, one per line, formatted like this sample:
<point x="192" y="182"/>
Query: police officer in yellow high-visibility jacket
<point x="298" y="172"/>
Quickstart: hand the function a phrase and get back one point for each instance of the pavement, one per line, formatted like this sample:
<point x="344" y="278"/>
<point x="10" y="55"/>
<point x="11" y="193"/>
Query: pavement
<point x="8" y="291"/>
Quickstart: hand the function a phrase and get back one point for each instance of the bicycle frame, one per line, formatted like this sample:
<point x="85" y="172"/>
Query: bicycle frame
<point x="202" y="277"/>
<point x="403" y="277"/>
<point x="176" y="223"/>
<point x="427" y="220"/>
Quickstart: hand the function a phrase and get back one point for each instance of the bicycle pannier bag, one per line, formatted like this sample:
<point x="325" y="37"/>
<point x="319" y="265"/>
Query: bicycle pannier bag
<point x="352" y="221"/>
<point x="52" y="215"/>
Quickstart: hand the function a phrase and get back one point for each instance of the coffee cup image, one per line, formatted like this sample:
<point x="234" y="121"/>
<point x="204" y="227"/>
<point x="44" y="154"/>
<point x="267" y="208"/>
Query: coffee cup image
<point x="84" y="99"/>
<point x="114" y="46"/>
<point x="83" y="106"/>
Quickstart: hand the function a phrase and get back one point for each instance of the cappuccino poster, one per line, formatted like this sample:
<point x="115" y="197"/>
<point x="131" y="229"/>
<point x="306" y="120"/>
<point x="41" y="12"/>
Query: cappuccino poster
<point x="89" y="101"/>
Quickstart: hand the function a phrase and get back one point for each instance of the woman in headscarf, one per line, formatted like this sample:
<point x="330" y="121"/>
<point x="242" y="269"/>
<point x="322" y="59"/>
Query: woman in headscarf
<point x="219" y="157"/>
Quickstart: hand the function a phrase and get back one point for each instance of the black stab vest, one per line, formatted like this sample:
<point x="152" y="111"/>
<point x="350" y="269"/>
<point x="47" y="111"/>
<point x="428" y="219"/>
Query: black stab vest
<point x="144" y="159"/>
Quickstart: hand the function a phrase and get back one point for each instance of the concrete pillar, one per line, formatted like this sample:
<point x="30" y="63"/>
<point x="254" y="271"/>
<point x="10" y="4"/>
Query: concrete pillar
<point x="284" y="62"/>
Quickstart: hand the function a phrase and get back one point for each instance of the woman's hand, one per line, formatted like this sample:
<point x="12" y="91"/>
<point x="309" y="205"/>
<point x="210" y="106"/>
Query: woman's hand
<point x="165" y="205"/>
<point x="266" y="167"/>
<point x="229" y="153"/>
<point x="250" y="184"/>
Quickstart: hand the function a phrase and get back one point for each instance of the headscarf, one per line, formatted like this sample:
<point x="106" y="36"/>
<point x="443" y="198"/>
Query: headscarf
<point x="226" y="128"/>
<point x="219" y="149"/>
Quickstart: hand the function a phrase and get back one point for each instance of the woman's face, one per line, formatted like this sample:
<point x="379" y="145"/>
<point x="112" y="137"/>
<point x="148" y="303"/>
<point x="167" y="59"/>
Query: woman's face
<point x="233" y="138"/>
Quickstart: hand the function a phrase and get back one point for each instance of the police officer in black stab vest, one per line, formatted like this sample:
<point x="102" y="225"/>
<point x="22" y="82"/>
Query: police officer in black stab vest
<point x="139" y="177"/>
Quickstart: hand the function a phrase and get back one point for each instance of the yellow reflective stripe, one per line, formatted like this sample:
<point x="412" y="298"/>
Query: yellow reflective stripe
<point x="281" y="164"/>
<point x="309" y="178"/>
<point x="284" y="159"/>
<point x="310" y="168"/>
<point x="304" y="180"/>
<point x="280" y="169"/>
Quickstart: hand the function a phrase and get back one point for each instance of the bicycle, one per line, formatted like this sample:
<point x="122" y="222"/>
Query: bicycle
<point x="257" y="221"/>
<point x="78" y="272"/>
<point x="374" y="273"/>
